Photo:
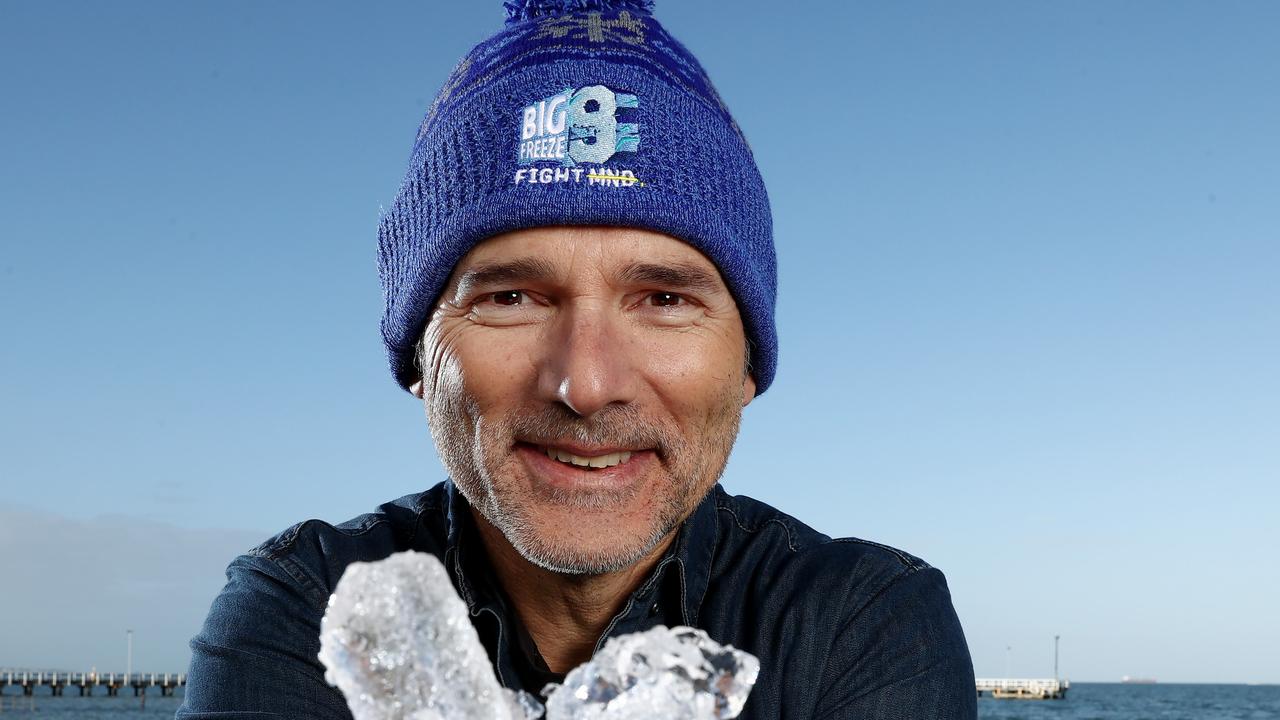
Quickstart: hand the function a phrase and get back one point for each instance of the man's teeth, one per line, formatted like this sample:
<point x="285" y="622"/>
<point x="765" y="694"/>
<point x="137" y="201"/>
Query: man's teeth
<point x="601" y="461"/>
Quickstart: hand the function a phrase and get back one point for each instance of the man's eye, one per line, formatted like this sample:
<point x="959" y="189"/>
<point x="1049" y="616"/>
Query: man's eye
<point x="665" y="299"/>
<point x="507" y="297"/>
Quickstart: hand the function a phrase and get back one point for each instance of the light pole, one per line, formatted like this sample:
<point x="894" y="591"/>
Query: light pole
<point x="128" y="667"/>
<point x="1007" y="650"/>
<point x="1055" y="656"/>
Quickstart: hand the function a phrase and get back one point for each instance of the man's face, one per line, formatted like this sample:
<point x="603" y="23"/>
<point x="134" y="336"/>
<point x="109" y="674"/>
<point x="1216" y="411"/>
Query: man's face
<point x="584" y="387"/>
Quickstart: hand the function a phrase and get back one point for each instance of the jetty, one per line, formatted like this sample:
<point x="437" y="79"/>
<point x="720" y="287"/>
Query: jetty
<point x="86" y="683"/>
<point x="1024" y="689"/>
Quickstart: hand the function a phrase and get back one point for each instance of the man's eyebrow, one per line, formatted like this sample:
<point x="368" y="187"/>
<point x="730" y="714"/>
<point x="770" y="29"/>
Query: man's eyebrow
<point x="508" y="272"/>
<point x="676" y="276"/>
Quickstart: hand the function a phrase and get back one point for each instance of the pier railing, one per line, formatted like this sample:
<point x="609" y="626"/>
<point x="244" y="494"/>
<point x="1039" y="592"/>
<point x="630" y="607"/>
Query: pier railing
<point x="86" y="682"/>
<point x="1034" y="689"/>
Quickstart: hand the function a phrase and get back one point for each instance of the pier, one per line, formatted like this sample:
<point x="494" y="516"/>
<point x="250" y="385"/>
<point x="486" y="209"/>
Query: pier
<point x="86" y="683"/>
<point x="1022" y="689"/>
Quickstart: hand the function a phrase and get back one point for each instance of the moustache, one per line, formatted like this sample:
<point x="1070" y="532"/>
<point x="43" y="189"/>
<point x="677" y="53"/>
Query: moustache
<point x="622" y="426"/>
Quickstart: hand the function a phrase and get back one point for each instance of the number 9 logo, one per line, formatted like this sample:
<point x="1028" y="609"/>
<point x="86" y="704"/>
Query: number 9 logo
<point x="593" y="129"/>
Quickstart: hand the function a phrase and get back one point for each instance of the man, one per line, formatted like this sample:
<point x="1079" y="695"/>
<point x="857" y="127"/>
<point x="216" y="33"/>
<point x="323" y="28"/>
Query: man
<point x="580" y="279"/>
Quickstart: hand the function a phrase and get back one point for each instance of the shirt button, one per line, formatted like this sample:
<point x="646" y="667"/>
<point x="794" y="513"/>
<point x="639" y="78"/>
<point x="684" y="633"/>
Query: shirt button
<point x="654" y="610"/>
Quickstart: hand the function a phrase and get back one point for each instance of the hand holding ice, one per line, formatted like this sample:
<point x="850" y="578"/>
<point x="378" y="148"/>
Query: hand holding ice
<point x="660" y="673"/>
<point x="397" y="641"/>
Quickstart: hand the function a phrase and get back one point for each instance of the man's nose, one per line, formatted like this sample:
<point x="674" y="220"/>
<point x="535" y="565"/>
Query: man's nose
<point x="588" y="362"/>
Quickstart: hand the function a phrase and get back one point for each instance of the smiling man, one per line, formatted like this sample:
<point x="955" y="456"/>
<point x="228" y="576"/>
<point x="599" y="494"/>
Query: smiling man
<point x="583" y="414"/>
<point x="580" y="278"/>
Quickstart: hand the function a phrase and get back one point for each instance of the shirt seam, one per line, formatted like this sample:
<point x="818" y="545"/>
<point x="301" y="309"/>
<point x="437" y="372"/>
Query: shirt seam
<point x="791" y="544"/>
<point x="425" y="506"/>
<point x="905" y="559"/>
<point x="631" y="602"/>
<point x="693" y="613"/>
<point x="282" y="553"/>
<point x="658" y="573"/>
<point x="319" y="598"/>
<point x="289" y="540"/>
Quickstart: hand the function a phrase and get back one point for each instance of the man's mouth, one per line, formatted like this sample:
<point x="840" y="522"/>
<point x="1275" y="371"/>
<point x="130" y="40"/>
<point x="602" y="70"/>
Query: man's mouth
<point x="584" y="461"/>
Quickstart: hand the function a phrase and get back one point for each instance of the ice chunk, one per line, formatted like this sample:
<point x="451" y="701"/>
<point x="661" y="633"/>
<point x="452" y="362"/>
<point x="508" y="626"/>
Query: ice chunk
<point x="397" y="640"/>
<point x="659" y="673"/>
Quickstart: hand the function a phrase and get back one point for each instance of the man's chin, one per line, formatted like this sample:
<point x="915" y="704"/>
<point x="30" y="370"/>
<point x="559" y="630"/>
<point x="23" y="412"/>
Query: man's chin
<point x="583" y="546"/>
<point x="580" y="561"/>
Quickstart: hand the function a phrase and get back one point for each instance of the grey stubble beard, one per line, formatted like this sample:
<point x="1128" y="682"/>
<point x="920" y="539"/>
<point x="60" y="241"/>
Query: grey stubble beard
<point x="474" y="450"/>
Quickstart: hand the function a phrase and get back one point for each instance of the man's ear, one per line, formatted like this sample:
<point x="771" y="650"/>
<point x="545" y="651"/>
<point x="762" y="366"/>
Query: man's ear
<point x="748" y="390"/>
<point x="416" y="389"/>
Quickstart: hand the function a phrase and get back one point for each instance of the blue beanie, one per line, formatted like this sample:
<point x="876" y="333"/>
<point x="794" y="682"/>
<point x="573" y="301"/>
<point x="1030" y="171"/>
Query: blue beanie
<point x="579" y="112"/>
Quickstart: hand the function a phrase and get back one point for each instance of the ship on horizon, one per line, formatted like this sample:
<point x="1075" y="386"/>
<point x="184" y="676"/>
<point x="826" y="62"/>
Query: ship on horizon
<point x="1137" y="680"/>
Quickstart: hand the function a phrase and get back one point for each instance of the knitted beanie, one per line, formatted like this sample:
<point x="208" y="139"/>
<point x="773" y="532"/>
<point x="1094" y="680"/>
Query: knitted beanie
<point x="579" y="112"/>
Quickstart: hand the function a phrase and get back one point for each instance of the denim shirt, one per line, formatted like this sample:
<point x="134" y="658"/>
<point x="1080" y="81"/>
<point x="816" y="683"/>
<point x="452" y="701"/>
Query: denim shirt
<point x="843" y="628"/>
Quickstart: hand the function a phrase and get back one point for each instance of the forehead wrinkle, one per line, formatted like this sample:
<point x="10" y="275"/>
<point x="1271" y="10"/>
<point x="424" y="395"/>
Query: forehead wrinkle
<point x="583" y="254"/>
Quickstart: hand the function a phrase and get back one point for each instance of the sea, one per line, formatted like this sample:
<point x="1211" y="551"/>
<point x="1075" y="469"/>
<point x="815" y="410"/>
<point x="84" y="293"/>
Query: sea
<point x="1085" y="701"/>
<point x="1115" y="701"/>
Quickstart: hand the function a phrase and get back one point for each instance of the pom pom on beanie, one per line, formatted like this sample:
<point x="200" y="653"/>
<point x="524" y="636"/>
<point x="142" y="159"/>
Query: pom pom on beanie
<point x="530" y="9"/>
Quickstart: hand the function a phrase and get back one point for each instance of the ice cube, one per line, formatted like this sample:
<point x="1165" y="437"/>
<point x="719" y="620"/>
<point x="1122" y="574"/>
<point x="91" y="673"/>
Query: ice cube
<point x="662" y="672"/>
<point x="397" y="641"/>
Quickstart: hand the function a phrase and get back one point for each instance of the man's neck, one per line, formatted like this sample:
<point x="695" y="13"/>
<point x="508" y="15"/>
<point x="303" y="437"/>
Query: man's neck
<point x="564" y="614"/>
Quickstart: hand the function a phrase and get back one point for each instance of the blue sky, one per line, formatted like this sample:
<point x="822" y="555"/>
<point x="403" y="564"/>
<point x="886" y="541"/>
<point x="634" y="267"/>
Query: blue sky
<point x="1028" y="304"/>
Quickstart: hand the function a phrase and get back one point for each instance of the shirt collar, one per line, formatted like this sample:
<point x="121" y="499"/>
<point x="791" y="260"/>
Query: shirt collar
<point x="461" y="547"/>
